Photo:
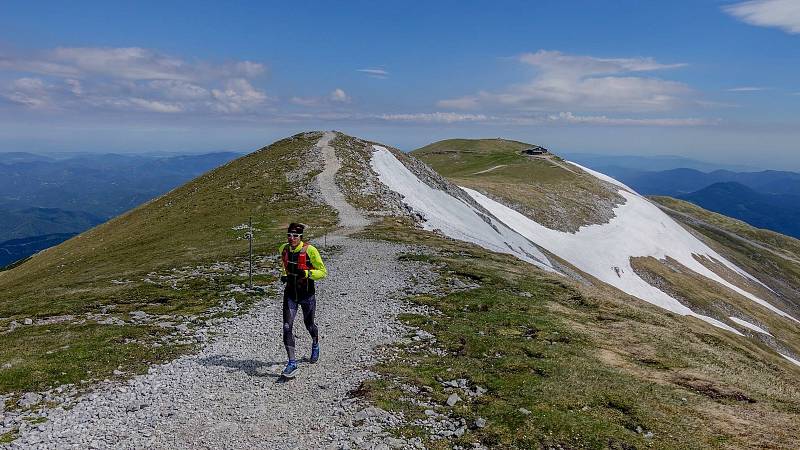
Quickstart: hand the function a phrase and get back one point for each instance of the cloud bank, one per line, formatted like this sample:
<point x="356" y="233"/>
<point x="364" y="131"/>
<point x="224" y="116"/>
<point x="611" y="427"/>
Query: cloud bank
<point x="782" y="14"/>
<point x="129" y="79"/>
<point x="586" y="83"/>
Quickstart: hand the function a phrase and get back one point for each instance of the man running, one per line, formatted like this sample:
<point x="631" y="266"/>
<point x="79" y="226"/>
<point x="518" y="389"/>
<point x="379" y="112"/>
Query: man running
<point x="302" y="265"/>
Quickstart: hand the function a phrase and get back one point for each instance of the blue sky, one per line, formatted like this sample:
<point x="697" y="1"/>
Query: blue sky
<point x="713" y="80"/>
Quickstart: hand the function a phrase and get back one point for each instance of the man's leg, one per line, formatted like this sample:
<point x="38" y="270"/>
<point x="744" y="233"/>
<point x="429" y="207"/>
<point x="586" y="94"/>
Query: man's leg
<point x="289" y="312"/>
<point x="309" y="311"/>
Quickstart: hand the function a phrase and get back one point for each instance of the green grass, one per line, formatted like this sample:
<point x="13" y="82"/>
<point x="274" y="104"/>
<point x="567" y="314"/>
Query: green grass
<point x="8" y="437"/>
<point x="190" y="226"/>
<point x="708" y="297"/>
<point x="43" y="356"/>
<point x="590" y="367"/>
<point x="552" y="193"/>
<point x="773" y="257"/>
<point x="354" y="155"/>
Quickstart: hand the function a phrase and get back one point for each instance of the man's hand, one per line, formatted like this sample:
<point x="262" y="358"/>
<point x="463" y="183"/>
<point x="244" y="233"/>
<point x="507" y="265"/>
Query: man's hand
<point x="295" y="272"/>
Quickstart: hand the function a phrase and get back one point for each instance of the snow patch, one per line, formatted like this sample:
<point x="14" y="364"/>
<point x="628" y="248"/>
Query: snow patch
<point x="602" y="176"/>
<point x="604" y="251"/>
<point x="454" y="217"/>
<point x="796" y="362"/>
<point x="747" y="324"/>
<point x="638" y="229"/>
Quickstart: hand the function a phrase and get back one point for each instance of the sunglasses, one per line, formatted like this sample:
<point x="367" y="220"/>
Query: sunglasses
<point x="294" y="235"/>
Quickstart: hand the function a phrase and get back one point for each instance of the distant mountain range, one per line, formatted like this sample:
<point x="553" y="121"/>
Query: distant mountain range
<point x="766" y="199"/>
<point x="46" y="199"/>
<point x="104" y="185"/>
<point x="676" y="182"/>
<point x="650" y="163"/>
<point x="15" y="250"/>
<point x="777" y="212"/>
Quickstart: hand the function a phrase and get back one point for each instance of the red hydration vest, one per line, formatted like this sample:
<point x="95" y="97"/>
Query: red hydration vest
<point x="296" y="287"/>
<point x="303" y="262"/>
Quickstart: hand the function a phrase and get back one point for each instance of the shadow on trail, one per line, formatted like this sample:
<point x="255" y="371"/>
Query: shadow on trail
<point x="251" y="367"/>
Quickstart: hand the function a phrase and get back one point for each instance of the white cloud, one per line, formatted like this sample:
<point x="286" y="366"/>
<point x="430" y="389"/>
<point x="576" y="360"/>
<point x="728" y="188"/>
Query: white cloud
<point x="179" y="90"/>
<point x="133" y="78"/>
<point x="131" y="63"/>
<point x="339" y="96"/>
<point x="566" y="118"/>
<point x="435" y="117"/>
<point x="747" y="89"/>
<point x="374" y="72"/>
<point x="585" y="82"/>
<point x="75" y="87"/>
<point x="463" y="102"/>
<point x="239" y="96"/>
<point x="783" y="14"/>
<point x="581" y="66"/>
<point x="249" y="69"/>
<point x="30" y="92"/>
<point x="305" y="101"/>
<point x="569" y="118"/>
<point x="156" y="106"/>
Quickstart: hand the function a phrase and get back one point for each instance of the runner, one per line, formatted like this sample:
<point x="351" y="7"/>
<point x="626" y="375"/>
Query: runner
<point x="302" y="265"/>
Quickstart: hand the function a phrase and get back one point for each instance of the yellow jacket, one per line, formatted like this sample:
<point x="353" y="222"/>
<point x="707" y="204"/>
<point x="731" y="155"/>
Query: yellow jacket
<point x="318" y="272"/>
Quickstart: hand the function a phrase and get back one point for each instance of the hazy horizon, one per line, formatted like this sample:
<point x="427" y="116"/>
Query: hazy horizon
<point x="712" y="80"/>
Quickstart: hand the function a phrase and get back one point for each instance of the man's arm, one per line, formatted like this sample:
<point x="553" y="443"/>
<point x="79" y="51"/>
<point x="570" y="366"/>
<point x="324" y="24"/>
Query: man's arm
<point x="319" y="271"/>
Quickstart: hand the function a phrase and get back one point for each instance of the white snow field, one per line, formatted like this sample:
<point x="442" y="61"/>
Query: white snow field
<point x="638" y="229"/>
<point x="454" y="217"/>
<point x="796" y="362"/>
<point x="747" y="324"/>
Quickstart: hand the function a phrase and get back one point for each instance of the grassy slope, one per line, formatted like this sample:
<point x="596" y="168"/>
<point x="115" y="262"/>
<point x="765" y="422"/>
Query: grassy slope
<point x="677" y="356"/>
<point x="592" y="368"/>
<point x="187" y="227"/>
<point x="561" y="199"/>
<point x="774" y="256"/>
<point x="524" y="179"/>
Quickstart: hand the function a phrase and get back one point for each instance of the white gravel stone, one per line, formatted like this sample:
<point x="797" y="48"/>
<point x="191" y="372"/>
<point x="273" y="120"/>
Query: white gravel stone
<point x="453" y="399"/>
<point x="29" y="399"/>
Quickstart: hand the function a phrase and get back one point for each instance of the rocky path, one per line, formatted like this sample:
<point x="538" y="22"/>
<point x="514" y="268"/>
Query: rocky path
<point x="228" y="395"/>
<point x="350" y="219"/>
<point x="490" y="169"/>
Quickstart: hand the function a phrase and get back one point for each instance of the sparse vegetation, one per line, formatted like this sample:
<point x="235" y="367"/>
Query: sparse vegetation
<point x="563" y="363"/>
<point x="543" y="188"/>
<point x="774" y="257"/>
<point x="594" y="370"/>
<point x="8" y="437"/>
<point x="105" y="269"/>
<point x="354" y="155"/>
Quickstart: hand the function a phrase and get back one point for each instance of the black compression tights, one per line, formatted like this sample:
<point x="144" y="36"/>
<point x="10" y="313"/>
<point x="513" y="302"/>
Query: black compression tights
<point x="309" y="307"/>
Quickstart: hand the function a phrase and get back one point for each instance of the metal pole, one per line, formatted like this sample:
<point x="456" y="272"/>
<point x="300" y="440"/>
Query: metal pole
<point x="250" y="238"/>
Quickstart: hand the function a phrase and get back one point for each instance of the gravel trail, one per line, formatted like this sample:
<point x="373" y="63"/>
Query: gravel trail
<point x="490" y="169"/>
<point x="228" y="395"/>
<point x="349" y="217"/>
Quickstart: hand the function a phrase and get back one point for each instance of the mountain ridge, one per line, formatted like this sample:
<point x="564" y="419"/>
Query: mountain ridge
<point x="529" y="338"/>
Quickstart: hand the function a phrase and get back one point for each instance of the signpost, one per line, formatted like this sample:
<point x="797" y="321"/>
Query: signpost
<point x="250" y="239"/>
